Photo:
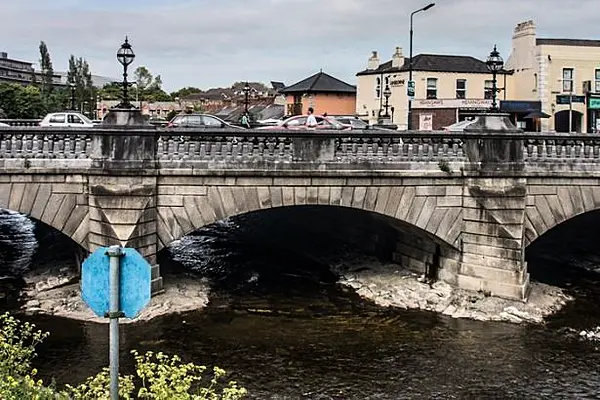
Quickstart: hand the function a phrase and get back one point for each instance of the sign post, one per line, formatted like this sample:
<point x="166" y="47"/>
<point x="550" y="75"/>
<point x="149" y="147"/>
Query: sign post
<point x="115" y="283"/>
<point x="114" y="253"/>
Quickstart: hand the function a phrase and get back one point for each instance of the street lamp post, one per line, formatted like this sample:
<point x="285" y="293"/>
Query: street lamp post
<point x="246" y="96"/>
<point x="72" y="87"/>
<point x="494" y="64"/>
<point x="387" y="93"/>
<point x="125" y="56"/>
<point x="410" y="59"/>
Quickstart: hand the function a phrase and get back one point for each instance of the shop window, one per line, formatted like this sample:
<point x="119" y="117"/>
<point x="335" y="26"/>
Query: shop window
<point x="567" y="80"/>
<point x="597" y="81"/>
<point x="461" y="88"/>
<point x="378" y="88"/>
<point x="432" y="88"/>
<point x="488" y="93"/>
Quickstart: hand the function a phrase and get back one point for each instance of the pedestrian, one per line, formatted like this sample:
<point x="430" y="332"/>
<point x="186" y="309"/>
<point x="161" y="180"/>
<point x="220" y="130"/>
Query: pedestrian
<point x="245" y="122"/>
<point x="311" y="121"/>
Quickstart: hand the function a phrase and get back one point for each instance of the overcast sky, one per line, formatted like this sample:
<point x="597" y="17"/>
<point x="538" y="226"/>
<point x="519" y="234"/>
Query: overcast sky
<point x="209" y="43"/>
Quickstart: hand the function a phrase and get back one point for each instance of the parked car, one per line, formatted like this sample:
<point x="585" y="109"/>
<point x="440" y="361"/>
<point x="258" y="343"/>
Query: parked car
<point x="199" y="121"/>
<point x="2" y="124"/>
<point x="353" y="122"/>
<point x="66" y="120"/>
<point x="298" y="123"/>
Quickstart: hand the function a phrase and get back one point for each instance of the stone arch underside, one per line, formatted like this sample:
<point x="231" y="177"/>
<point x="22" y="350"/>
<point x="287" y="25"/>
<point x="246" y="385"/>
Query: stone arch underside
<point x="551" y="205"/>
<point x="435" y="209"/>
<point x="55" y="202"/>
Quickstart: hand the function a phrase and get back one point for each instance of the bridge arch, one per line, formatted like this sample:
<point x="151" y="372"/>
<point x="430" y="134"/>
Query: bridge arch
<point x="434" y="209"/>
<point x="551" y="205"/>
<point x="58" y="204"/>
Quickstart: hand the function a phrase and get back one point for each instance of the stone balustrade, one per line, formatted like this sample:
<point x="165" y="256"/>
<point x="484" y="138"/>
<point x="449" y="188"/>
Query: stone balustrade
<point x="223" y="147"/>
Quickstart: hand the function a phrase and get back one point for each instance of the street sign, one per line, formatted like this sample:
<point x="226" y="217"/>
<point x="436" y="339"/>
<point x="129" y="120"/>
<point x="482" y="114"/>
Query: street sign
<point x="410" y="89"/>
<point x="564" y="99"/>
<point x="134" y="282"/>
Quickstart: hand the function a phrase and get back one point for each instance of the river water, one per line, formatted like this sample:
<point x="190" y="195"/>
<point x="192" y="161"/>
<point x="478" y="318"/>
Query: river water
<point x="282" y="328"/>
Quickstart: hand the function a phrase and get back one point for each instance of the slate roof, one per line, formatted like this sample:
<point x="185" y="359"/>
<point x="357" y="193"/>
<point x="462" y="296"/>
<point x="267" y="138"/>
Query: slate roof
<point x="568" y="42"/>
<point x="277" y="85"/>
<point x="320" y="83"/>
<point x="434" y="63"/>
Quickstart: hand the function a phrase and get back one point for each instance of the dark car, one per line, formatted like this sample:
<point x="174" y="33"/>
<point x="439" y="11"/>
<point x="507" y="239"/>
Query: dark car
<point x="199" y="121"/>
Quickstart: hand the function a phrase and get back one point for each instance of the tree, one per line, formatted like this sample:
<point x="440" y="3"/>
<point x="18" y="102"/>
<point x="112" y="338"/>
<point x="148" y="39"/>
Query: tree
<point x="79" y="74"/>
<point x="19" y="101"/>
<point x="186" y="91"/>
<point x="47" y="69"/>
<point x="159" y="376"/>
<point x="149" y="88"/>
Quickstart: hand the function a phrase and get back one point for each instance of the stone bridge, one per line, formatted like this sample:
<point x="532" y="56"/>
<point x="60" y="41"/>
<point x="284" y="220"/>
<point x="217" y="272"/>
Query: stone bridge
<point x="465" y="204"/>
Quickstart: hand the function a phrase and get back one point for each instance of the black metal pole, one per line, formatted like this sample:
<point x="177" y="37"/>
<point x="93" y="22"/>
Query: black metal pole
<point x="73" y="97"/>
<point x="494" y="91"/>
<point x="246" y="99"/>
<point x="125" y="86"/>
<point x="410" y="71"/>
<point x="387" y="98"/>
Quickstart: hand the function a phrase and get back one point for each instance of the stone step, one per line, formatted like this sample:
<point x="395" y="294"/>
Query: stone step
<point x="495" y="288"/>
<point x="156" y="286"/>
<point x="492" y="274"/>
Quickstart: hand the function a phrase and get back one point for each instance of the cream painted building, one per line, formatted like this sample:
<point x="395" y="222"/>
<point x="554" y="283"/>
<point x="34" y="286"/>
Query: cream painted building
<point x="549" y="71"/>
<point x="448" y="89"/>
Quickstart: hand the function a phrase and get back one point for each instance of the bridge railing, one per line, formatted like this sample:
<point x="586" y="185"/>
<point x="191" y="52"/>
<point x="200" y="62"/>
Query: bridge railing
<point x="21" y="122"/>
<point x="171" y="148"/>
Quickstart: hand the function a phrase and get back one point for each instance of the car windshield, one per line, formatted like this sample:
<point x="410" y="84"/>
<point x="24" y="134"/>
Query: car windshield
<point x="85" y="119"/>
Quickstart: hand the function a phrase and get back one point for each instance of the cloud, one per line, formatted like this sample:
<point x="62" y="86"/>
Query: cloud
<point x="210" y="43"/>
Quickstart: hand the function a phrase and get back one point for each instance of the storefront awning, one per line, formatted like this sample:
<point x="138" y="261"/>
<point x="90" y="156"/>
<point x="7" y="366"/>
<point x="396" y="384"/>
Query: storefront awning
<point x="536" y="114"/>
<point x="518" y="106"/>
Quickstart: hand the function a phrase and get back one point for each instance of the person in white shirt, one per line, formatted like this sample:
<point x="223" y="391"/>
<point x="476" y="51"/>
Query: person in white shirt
<point x="311" y="121"/>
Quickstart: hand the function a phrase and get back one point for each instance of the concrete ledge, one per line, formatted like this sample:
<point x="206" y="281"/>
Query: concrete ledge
<point x="494" y="288"/>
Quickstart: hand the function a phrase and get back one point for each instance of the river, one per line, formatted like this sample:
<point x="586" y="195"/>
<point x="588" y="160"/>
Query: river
<point x="282" y="328"/>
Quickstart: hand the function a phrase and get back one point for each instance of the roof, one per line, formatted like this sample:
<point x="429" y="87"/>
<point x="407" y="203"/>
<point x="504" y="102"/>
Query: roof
<point x="277" y="85"/>
<point x="568" y="42"/>
<point x="434" y="63"/>
<point x="320" y="83"/>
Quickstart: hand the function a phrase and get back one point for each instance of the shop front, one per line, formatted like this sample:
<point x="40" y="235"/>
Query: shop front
<point x="519" y="112"/>
<point x="436" y="114"/>
<point x="593" y="112"/>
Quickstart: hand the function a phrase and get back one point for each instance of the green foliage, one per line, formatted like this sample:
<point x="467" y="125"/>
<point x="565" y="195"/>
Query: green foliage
<point x="19" y="101"/>
<point x="79" y="74"/>
<point x="157" y="376"/>
<point x="186" y="91"/>
<point x="47" y="69"/>
<point x="149" y="87"/>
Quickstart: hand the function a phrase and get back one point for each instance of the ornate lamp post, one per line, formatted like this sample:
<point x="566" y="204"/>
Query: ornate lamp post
<point x="125" y="56"/>
<point x="72" y="87"/>
<point x="494" y="64"/>
<point x="387" y="93"/>
<point x="246" y="96"/>
<point x="410" y="59"/>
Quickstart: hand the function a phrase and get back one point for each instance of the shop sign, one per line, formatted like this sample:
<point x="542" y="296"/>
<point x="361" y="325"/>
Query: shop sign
<point x="397" y="82"/>
<point x="594" y="103"/>
<point x="425" y="122"/>
<point x="453" y="103"/>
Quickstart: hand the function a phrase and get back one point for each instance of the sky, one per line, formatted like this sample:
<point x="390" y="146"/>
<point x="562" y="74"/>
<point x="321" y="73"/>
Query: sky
<point x="213" y="43"/>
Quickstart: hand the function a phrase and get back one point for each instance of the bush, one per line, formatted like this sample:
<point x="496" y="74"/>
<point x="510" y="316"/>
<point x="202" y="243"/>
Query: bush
<point x="158" y="376"/>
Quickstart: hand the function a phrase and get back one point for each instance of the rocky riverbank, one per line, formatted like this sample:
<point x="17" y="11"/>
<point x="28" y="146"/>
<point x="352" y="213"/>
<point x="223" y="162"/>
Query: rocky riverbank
<point x="57" y="292"/>
<point x="388" y="286"/>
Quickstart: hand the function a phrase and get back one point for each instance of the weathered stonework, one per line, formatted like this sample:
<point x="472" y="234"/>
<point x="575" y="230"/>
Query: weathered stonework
<point x="464" y="205"/>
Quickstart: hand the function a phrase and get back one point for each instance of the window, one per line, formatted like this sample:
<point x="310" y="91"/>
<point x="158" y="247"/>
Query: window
<point x="461" y="88"/>
<point x="378" y="88"/>
<point x="432" y="88"/>
<point x="74" y="119"/>
<point x="597" y="81"/>
<point x="488" y="93"/>
<point x="535" y="81"/>
<point x="211" y="122"/>
<point x="57" y="119"/>
<point x="567" y="79"/>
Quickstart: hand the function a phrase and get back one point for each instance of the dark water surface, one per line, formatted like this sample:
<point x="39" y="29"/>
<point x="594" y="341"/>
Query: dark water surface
<point x="282" y="328"/>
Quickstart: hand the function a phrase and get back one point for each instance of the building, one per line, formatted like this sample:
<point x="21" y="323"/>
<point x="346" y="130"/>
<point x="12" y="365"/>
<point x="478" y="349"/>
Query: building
<point x="157" y="109"/>
<point x="547" y="72"/>
<point x="322" y="92"/>
<point x="23" y="72"/>
<point x="448" y="89"/>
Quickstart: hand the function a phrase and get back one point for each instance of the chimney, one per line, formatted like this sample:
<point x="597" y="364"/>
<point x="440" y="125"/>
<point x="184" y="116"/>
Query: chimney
<point x="397" y="58"/>
<point x="523" y="52"/>
<point x="3" y="54"/>
<point x="526" y="28"/>
<point x="373" y="61"/>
